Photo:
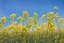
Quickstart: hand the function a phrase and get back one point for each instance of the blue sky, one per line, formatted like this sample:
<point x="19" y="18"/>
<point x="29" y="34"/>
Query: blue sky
<point x="8" y="7"/>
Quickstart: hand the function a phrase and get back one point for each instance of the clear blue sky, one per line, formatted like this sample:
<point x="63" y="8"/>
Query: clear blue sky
<point x="8" y="7"/>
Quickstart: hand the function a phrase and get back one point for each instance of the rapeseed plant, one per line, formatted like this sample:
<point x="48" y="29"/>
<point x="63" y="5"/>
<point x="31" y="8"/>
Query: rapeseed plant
<point x="46" y="32"/>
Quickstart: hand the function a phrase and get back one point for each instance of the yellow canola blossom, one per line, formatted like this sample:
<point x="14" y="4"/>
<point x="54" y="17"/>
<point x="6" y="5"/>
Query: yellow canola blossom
<point x="56" y="16"/>
<point x="29" y="25"/>
<point x="3" y="19"/>
<point x="20" y="18"/>
<point x="25" y="13"/>
<point x="12" y="16"/>
<point x="43" y="16"/>
<point x="12" y="26"/>
<point x="35" y="23"/>
<point x="30" y="19"/>
<point x="51" y="13"/>
<point x="6" y="30"/>
<point x="35" y="15"/>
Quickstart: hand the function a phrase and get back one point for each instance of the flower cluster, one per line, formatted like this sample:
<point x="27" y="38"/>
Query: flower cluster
<point x="28" y="30"/>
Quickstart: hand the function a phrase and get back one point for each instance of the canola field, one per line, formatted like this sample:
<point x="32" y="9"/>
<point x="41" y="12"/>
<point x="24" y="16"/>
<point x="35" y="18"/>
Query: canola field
<point x="49" y="28"/>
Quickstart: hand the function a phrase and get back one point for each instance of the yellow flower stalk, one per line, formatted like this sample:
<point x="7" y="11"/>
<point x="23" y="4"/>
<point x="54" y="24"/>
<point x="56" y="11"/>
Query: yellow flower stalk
<point x="25" y="14"/>
<point x="35" y="15"/>
<point x="29" y="25"/>
<point x="38" y="28"/>
<point x="43" y="16"/>
<point x="30" y="19"/>
<point x="3" y="19"/>
<point x="11" y="26"/>
<point x="49" y="19"/>
<point x="6" y="30"/>
<point x="56" y="16"/>
<point x="51" y="13"/>
<point x="20" y="18"/>
<point x="35" y="23"/>
<point x="12" y="16"/>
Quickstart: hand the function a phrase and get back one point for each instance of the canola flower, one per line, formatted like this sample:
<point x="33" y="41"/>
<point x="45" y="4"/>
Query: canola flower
<point x="35" y="15"/>
<point x="30" y="19"/>
<point x="43" y="16"/>
<point x="12" y="16"/>
<point x="20" y="18"/>
<point x="43" y="32"/>
<point x="3" y="19"/>
<point x="56" y="15"/>
<point x="25" y="14"/>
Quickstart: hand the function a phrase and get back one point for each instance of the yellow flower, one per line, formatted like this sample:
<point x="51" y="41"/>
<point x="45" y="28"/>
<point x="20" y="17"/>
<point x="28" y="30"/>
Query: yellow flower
<point x="43" y="16"/>
<point x="25" y="13"/>
<point x="52" y="25"/>
<point x="38" y="28"/>
<point x="3" y="19"/>
<point x="56" y="16"/>
<point x="35" y="15"/>
<point x="51" y="13"/>
<point x="61" y="20"/>
<point x="35" y="23"/>
<point x="29" y="25"/>
<point x="12" y="16"/>
<point x="20" y="18"/>
<point x="12" y="26"/>
<point x="30" y="19"/>
<point x="49" y="19"/>
<point x="24" y="31"/>
<point x="6" y="29"/>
